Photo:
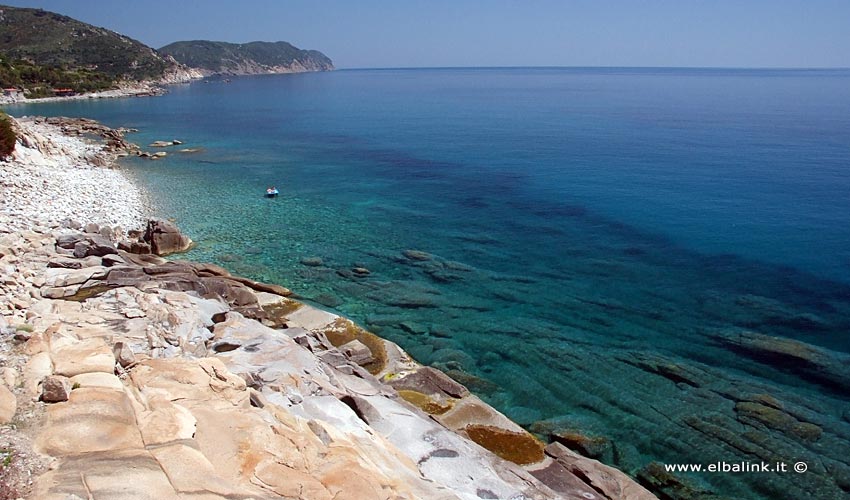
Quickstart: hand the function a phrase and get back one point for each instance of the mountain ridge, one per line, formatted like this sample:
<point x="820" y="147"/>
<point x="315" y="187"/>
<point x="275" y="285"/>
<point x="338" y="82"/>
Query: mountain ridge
<point x="251" y="58"/>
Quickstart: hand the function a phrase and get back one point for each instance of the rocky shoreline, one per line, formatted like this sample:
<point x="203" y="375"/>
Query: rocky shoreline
<point x="146" y="88"/>
<point x="128" y="375"/>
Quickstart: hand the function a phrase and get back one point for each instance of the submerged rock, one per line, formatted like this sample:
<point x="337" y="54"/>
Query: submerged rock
<point x="312" y="261"/>
<point x="828" y="368"/>
<point x="753" y="413"/>
<point x="417" y="255"/>
<point x="597" y="447"/>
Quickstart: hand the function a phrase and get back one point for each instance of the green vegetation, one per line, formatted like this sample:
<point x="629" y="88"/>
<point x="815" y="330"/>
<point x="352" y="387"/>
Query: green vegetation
<point x="235" y="58"/>
<point x="7" y="137"/>
<point x="41" y="50"/>
<point x="39" y="81"/>
<point x="8" y="475"/>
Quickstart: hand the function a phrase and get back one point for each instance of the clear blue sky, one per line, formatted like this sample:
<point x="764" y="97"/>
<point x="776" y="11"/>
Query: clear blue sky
<point x="397" y="33"/>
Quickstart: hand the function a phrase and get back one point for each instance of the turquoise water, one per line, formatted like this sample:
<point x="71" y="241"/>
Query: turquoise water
<point x="591" y="233"/>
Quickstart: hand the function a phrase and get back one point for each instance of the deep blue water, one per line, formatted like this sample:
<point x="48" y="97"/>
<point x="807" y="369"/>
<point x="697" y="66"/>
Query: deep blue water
<point x="586" y="225"/>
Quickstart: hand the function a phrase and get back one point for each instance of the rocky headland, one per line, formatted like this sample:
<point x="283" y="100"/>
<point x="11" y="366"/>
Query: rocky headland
<point x="252" y="58"/>
<point x="126" y="375"/>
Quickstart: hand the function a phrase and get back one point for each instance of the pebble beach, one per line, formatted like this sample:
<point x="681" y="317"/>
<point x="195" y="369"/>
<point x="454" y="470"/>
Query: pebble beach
<point x="53" y="177"/>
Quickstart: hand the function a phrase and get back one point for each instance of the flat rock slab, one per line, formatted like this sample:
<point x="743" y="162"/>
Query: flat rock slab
<point x="443" y="456"/>
<point x="612" y="482"/>
<point x="472" y="410"/>
<point x="310" y="318"/>
<point x="554" y="475"/>
<point x="204" y="379"/>
<point x="72" y="357"/>
<point x="97" y="379"/>
<point x="166" y="422"/>
<point x="93" y="419"/>
<point x="190" y="472"/>
<point x="60" y="277"/>
<point x="114" y="475"/>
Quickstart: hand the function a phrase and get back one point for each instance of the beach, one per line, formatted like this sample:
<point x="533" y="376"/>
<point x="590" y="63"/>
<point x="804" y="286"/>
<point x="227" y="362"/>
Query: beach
<point x="54" y="177"/>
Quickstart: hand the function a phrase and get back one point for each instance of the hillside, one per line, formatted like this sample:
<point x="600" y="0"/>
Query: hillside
<point x="42" y="50"/>
<point x="246" y="58"/>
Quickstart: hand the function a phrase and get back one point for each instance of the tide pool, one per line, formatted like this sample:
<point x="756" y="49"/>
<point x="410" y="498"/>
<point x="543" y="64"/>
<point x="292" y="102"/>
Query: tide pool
<point x="633" y="255"/>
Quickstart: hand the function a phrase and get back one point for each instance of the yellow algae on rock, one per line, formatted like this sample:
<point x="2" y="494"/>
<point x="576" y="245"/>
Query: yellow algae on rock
<point x="343" y="331"/>
<point x="520" y="448"/>
<point x="426" y="403"/>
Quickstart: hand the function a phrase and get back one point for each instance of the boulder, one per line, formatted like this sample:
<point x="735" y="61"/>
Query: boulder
<point x="94" y="245"/>
<point x="65" y="262"/>
<point x="428" y="380"/>
<point x="136" y="247"/>
<point x="68" y="240"/>
<point x="357" y="352"/>
<point x="8" y="405"/>
<point x="9" y="376"/>
<point x="111" y="260"/>
<point x="56" y="389"/>
<point x="123" y="354"/>
<point x="165" y="239"/>
<point x="71" y="224"/>
<point x="60" y="277"/>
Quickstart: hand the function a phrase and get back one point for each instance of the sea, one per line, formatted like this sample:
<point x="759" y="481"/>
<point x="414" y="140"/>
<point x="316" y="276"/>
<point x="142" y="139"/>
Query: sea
<point x="652" y="263"/>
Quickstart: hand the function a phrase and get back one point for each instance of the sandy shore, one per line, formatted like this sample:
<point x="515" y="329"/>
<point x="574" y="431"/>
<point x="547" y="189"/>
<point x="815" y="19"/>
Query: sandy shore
<point x="52" y="178"/>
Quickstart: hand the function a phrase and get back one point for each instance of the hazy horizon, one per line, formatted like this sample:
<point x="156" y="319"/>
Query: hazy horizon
<point x="377" y="34"/>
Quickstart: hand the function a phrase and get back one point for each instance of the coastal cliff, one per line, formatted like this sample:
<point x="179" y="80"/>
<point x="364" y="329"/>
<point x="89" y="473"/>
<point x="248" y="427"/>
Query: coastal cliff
<point x="253" y="58"/>
<point x="125" y="374"/>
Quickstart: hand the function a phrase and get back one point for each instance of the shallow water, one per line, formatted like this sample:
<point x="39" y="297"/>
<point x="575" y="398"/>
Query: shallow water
<point x="591" y="235"/>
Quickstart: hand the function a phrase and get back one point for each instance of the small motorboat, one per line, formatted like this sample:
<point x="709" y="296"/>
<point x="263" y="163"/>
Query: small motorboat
<point x="272" y="192"/>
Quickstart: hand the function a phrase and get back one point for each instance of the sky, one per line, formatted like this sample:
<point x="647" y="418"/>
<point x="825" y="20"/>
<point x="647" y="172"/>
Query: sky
<point x="442" y="33"/>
